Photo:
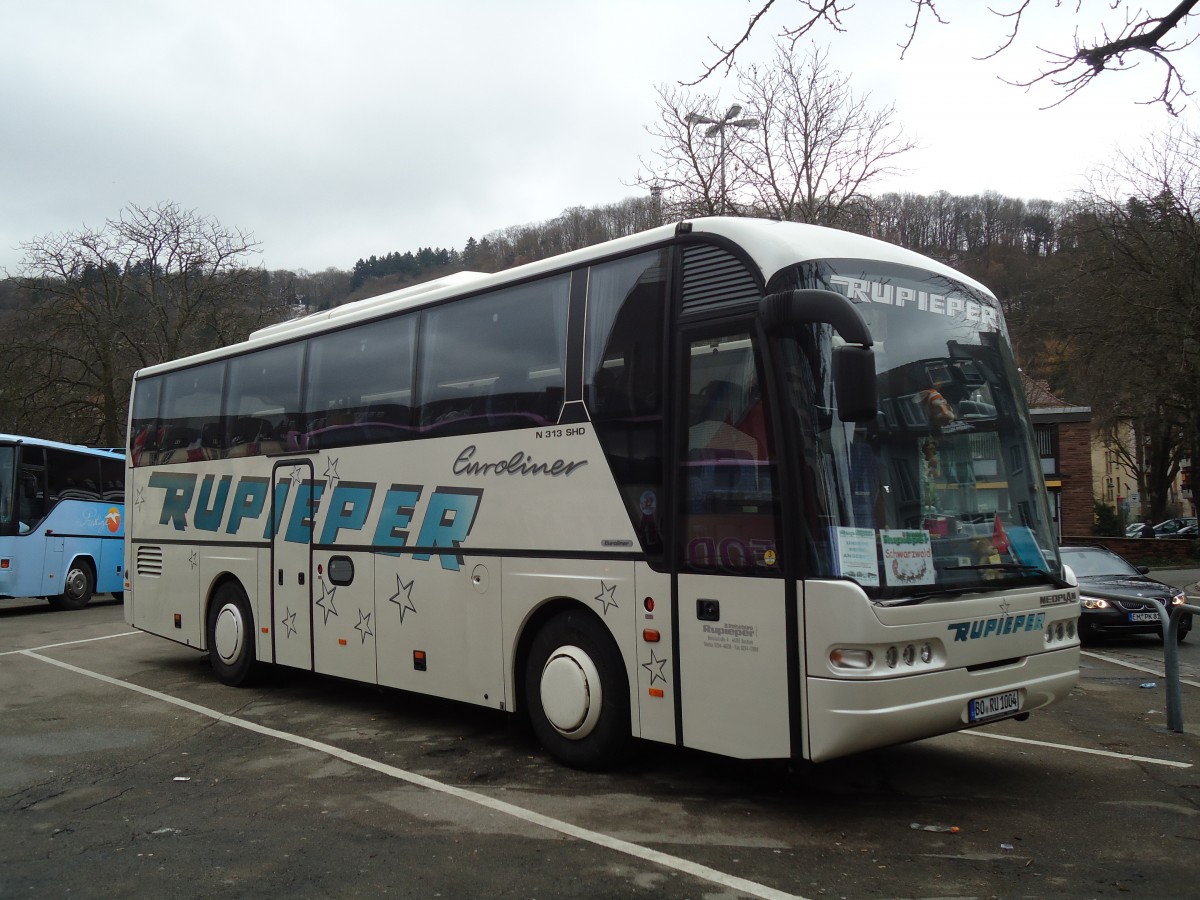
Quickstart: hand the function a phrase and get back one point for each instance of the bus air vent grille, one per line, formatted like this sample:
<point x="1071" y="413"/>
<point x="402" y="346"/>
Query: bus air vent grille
<point x="150" y="561"/>
<point x="714" y="280"/>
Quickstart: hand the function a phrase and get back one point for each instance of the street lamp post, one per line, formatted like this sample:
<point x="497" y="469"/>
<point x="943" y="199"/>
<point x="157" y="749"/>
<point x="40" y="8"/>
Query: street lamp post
<point x="718" y="126"/>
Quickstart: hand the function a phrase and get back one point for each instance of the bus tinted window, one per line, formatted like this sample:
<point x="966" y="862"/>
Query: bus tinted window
<point x="495" y="362"/>
<point x="623" y="358"/>
<point x="72" y="476"/>
<point x="112" y="480"/>
<point x="191" y="422"/>
<point x="360" y="385"/>
<point x="729" y="511"/>
<point x="144" y="433"/>
<point x="31" y="489"/>
<point x="263" y="401"/>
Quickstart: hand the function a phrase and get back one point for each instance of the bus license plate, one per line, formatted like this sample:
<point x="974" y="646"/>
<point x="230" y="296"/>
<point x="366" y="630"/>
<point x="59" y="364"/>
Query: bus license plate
<point x="1144" y="617"/>
<point x="983" y="708"/>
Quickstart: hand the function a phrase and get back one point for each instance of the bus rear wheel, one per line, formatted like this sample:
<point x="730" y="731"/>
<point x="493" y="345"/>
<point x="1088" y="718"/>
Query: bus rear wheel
<point x="576" y="693"/>
<point x="231" y="635"/>
<point x="78" y="587"/>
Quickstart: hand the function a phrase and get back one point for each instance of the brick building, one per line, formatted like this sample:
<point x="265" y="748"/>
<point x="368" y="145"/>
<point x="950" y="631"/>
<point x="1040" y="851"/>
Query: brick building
<point x="1064" y="441"/>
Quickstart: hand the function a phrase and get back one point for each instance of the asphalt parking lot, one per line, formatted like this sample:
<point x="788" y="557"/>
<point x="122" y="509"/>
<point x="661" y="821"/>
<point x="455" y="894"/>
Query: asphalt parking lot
<point x="129" y="771"/>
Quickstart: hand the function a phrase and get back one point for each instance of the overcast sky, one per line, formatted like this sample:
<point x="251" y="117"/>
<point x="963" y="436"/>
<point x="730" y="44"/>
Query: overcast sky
<point x="334" y="130"/>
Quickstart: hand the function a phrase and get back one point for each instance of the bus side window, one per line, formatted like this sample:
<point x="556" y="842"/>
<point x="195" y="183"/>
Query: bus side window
<point x="31" y="496"/>
<point x="359" y="386"/>
<point x="263" y="396"/>
<point x="495" y="362"/>
<point x="194" y="396"/>
<point x="623" y="377"/>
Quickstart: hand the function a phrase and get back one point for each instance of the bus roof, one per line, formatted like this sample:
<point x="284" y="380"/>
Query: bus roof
<point x="59" y="445"/>
<point x="771" y="244"/>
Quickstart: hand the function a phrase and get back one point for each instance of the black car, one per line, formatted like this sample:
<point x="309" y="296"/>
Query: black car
<point x="1104" y="571"/>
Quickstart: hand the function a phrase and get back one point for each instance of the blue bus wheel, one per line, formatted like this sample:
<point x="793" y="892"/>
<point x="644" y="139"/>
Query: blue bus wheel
<point x="77" y="587"/>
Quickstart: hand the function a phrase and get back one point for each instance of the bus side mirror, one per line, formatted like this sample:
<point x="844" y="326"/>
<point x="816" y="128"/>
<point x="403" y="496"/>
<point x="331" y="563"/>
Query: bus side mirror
<point x="854" y="383"/>
<point x="853" y="362"/>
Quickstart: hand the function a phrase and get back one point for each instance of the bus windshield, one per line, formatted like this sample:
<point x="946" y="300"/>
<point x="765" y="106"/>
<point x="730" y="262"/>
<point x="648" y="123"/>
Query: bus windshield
<point x="941" y="492"/>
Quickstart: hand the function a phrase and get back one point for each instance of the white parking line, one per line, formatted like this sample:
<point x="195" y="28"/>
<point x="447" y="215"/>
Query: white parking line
<point x="1016" y="740"/>
<point x="687" y="867"/>
<point x="104" y="637"/>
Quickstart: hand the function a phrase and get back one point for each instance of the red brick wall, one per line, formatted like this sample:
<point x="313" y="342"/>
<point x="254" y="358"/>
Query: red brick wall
<point x="1141" y="550"/>
<point x="1075" y="466"/>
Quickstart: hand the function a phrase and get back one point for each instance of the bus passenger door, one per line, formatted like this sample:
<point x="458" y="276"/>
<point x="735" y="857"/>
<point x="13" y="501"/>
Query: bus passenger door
<point x="291" y="562"/>
<point x="732" y="600"/>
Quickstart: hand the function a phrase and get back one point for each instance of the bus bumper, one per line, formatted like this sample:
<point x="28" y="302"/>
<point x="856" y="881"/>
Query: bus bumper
<point x="847" y="716"/>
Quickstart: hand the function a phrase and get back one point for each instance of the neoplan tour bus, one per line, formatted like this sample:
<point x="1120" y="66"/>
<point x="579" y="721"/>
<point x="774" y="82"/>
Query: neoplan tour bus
<point x="763" y="489"/>
<point x="61" y="521"/>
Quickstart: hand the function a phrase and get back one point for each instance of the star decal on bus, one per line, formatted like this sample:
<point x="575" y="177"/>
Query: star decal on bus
<point x="331" y="472"/>
<point x="194" y="559"/>
<point x="607" y="597"/>
<point x="364" y="626"/>
<point x="327" y="597"/>
<point x="405" y="605"/>
<point x="138" y="498"/>
<point x="297" y="475"/>
<point x="655" y="668"/>
<point x="289" y="623"/>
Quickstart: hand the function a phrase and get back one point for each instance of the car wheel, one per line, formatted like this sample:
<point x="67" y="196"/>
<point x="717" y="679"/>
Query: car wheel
<point x="577" y="694"/>
<point x="231" y="635"/>
<point x="77" y="587"/>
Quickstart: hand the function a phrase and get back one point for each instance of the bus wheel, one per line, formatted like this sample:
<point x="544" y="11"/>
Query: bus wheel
<point x="231" y="635"/>
<point x="576" y="693"/>
<point x="77" y="587"/>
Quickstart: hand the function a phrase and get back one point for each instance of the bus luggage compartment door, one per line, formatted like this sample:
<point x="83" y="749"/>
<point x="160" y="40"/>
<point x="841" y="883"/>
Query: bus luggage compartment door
<point x="733" y="665"/>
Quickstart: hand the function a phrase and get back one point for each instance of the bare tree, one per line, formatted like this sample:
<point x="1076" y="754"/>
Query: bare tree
<point x="1130" y="34"/>
<point x="1129" y="308"/>
<point x="156" y="283"/>
<point x="686" y="172"/>
<point x="806" y="150"/>
<point x="819" y="145"/>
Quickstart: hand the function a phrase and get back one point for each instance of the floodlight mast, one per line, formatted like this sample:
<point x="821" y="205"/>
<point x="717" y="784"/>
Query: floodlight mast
<point x="718" y="126"/>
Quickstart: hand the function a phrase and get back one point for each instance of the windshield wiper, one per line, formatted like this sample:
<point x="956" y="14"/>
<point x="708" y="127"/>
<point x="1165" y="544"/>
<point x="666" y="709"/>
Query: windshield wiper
<point x="921" y="598"/>
<point x="1022" y="568"/>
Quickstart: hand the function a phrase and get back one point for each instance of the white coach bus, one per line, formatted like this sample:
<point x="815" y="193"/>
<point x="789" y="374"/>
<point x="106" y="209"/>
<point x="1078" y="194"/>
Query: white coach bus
<point x="762" y="489"/>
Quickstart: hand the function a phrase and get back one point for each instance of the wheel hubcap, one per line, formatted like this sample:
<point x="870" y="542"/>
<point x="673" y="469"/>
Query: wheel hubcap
<point x="570" y="692"/>
<point x="229" y="634"/>
<point x="76" y="583"/>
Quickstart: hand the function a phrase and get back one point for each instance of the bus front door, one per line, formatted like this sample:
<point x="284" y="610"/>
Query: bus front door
<point x="291" y="563"/>
<point x="732" y="598"/>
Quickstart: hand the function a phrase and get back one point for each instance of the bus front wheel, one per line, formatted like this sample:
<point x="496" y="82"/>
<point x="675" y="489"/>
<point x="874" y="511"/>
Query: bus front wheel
<point x="78" y="587"/>
<point x="231" y="635"/>
<point x="576" y="692"/>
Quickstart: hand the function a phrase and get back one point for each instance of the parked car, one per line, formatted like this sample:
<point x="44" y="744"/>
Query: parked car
<point x="1177" y="527"/>
<point x="1102" y="570"/>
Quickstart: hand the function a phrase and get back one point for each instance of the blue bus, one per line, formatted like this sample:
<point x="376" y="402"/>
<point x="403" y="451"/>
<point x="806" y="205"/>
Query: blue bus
<point x="62" y="521"/>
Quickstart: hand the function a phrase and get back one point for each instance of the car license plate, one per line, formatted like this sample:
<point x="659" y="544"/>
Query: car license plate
<point x="1145" y="617"/>
<point x="983" y="708"/>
